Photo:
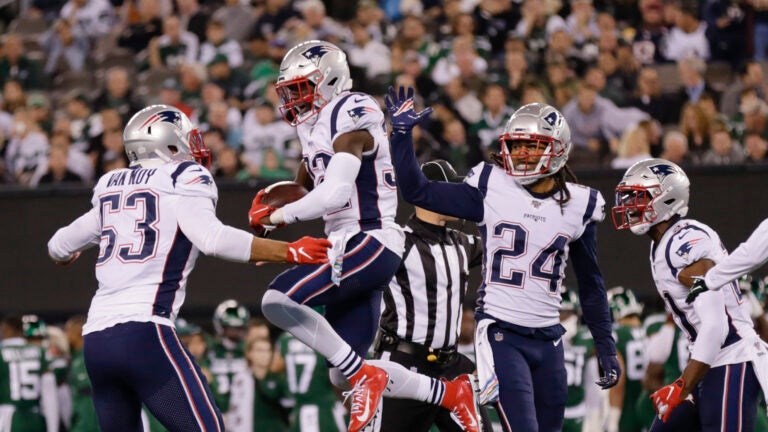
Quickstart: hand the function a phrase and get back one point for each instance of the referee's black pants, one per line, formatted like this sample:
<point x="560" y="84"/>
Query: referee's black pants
<point x="407" y="415"/>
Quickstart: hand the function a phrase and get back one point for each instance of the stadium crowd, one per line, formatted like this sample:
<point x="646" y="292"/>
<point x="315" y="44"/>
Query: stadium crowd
<point x="682" y="80"/>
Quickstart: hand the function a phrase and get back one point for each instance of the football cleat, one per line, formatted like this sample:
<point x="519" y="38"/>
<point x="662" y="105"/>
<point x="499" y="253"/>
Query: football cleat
<point x="461" y="399"/>
<point x="368" y="386"/>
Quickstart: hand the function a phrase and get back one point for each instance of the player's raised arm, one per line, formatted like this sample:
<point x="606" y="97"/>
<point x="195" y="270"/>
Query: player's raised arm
<point x="198" y="221"/>
<point x="750" y="255"/>
<point x="453" y="199"/>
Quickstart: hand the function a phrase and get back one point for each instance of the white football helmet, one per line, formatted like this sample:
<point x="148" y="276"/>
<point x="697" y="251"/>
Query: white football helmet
<point x="651" y="191"/>
<point x="159" y="134"/>
<point x="539" y="123"/>
<point x="311" y="74"/>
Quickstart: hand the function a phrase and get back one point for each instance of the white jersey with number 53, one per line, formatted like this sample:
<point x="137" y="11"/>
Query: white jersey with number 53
<point x="144" y="257"/>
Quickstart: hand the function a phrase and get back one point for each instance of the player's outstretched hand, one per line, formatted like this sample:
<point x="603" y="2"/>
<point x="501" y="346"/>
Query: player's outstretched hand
<point x="258" y="216"/>
<point x="610" y="371"/>
<point x="308" y="250"/>
<point x="72" y="259"/>
<point x="401" y="112"/>
<point x="667" y="398"/>
<point x="697" y="288"/>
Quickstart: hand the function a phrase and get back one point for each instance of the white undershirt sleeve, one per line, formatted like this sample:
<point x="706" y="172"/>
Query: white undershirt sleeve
<point x="750" y="255"/>
<point x="333" y="193"/>
<point x="710" y="306"/>
<point x="81" y="234"/>
<point x="197" y="220"/>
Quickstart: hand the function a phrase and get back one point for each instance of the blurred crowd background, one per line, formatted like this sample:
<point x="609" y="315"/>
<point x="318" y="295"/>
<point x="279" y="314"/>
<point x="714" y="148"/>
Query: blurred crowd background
<point x="683" y="80"/>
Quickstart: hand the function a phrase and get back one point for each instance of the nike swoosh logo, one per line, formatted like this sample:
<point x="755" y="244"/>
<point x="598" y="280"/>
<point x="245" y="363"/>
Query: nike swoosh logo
<point x="557" y="342"/>
<point x="197" y="169"/>
<point x="670" y="392"/>
<point x="358" y="100"/>
<point x="365" y="413"/>
<point x="301" y="252"/>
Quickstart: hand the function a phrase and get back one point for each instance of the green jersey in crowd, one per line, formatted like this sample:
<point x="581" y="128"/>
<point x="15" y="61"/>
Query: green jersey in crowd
<point x="21" y="370"/>
<point x="577" y="351"/>
<point x="224" y="362"/>
<point x="315" y="405"/>
<point x="631" y="343"/>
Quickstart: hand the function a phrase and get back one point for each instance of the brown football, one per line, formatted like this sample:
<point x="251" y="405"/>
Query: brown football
<point x="282" y="193"/>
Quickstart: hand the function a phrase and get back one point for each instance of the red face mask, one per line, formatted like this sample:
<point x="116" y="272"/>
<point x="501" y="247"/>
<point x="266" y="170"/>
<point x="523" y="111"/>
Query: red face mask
<point x="298" y="97"/>
<point x="632" y="203"/>
<point x="199" y="151"/>
<point x="531" y="157"/>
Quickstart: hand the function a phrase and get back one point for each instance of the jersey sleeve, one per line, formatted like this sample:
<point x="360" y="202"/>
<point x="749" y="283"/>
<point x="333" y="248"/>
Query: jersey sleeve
<point x="193" y="180"/>
<point x="357" y="111"/>
<point x="750" y="255"/>
<point x="689" y="245"/>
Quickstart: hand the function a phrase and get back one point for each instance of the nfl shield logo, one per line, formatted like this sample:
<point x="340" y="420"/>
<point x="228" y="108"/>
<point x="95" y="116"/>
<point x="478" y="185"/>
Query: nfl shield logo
<point x="498" y="336"/>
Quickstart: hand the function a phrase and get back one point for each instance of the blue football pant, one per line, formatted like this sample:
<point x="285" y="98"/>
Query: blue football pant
<point x="143" y="362"/>
<point x="533" y="386"/>
<point x="724" y="401"/>
<point x="352" y="308"/>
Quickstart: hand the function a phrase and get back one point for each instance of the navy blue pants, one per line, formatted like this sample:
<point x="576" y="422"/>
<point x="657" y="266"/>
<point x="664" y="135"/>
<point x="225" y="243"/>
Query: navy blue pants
<point x="143" y="362"/>
<point x="533" y="386"/>
<point x="724" y="401"/>
<point x="352" y="308"/>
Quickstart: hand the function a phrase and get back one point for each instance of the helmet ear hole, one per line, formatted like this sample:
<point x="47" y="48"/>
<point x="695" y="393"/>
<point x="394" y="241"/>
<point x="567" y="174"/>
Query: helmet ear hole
<point x="173" y="149"/>
<point x="669" y="201"/>
<point x="333" y="81"/>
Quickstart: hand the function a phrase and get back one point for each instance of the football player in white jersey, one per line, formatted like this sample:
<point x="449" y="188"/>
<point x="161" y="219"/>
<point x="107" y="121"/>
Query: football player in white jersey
<point x="530" y="218"/>
<point x="151" y="221"/>
<point x="719" y="388"/>
<point x="348" y="168"/>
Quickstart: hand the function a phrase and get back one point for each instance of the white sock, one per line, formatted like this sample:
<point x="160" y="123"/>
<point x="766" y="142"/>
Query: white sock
<point x="406" y="384"/>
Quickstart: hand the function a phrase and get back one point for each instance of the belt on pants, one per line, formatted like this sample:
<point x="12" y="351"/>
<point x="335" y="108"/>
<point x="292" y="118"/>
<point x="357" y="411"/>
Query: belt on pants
<point x="386" y="341"/>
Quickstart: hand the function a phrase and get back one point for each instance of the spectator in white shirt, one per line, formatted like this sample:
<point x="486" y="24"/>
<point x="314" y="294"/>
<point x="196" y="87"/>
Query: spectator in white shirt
<point x="66" y="49"/>
<point x="27" y="147"/>
<point x="371" y="55"/>
<point x="91" y="18"/>
<point x="688" y="37"/>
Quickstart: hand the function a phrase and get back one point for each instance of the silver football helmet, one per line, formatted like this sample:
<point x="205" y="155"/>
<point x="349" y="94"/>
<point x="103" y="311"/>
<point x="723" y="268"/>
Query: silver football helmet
<point x="540" y="124"/>
<point x="159" y="134"/>
<point x="311" y="74"/>
<point x="651" y="191"/>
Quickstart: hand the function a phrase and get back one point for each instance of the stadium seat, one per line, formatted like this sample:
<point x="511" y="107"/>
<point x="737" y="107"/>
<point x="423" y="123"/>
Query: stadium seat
<point x="719" y="75"/>
<point x="26" y="26"/>
<point x="669" y="78"/>
<point x="153" y="78"/>
<point x="116" y="57"/>
<point x="71" y="81"/>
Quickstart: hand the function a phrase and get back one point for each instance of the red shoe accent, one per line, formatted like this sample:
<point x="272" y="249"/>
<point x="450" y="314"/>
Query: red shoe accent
<point x="461" y="399"/>
<point x="368" y="388"/>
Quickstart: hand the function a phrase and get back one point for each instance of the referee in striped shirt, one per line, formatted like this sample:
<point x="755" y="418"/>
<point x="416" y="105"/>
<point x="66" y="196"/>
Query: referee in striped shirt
<point x="422" y="316"/>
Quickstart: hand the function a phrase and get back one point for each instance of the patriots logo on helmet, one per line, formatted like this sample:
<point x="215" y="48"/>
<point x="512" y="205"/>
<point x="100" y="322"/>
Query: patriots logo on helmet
<point x="315" y="53"/>
<point x="662" y="171"/>
<point x="686" y="247"/>
<point x="173" y="117"/>
<point x="358" y="112"/>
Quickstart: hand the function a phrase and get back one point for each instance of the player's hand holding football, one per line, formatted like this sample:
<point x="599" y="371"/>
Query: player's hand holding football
<point x="308" y="250"/>
<point x="610" y="371"/>
<point x="401" y="112"/>
<point x="668" y="397"/>
<point x="258" y="216"/>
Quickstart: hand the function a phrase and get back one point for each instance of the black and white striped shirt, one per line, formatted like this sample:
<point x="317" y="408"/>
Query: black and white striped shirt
<point x="424" y="299"/>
